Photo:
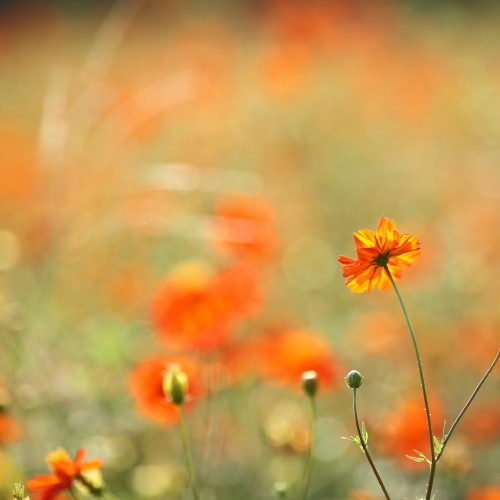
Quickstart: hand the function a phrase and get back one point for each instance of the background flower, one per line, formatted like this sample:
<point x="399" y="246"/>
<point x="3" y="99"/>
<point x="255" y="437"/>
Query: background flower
<point x="197" y="307"/>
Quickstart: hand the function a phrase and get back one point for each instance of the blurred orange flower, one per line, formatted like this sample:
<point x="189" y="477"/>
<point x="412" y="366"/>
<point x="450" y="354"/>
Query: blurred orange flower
<point x="244" y="227"/>
<point x="405" y="429"/>
<point x="480" y="423"/>
<point x="64" y="472"/>
<point x="377" y="332"/>
<point x="196" y="308"/>
<point x="9" y="429"/>
<point x="484" y="493"/>
<point x="283" y="355"/>
<point x="376" y="250"/>
<point x="146" y="386"/>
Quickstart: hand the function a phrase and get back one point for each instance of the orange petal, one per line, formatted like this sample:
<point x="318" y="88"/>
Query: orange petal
<point x="43" y="482"/>
<point x="364" y="238"/>
<point x="92" y="464"/>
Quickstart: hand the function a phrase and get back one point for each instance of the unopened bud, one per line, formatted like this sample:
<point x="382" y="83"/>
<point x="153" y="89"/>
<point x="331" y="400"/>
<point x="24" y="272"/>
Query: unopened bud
<point x="175" y="385"/>
<point x="281" y="489"/>
<point x="354" y="379"/>
<point x="310" y="383"/>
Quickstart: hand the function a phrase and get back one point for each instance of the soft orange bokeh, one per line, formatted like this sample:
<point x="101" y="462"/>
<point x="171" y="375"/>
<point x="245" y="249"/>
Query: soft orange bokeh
<point x="146" y="386"/>
<point x="375" y="250"/>
<point x="64" y="472"/>
<point x="405" y="429"/>
<point x="196" y="308"/>
<point x="9" y="428"/>
<point x="480" y="424"/>
<point x="285" y="354"/>
<point x="244" y="227"/>
<point x="362" y="495"/>
<point x="377" y="333"/>
<point x="484" y="493"/>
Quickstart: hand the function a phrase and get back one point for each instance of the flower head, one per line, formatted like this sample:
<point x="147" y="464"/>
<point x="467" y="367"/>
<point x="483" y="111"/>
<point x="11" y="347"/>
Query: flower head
<point x="375" y="251"/>
<point x="64" y="472"/>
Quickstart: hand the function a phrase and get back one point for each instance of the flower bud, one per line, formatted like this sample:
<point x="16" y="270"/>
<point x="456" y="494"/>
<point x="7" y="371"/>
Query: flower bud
<point x="175" y="385"/>
<point x="281" y="489"/>
<point x="310" y="383"/>
<point x="354" y="379"/>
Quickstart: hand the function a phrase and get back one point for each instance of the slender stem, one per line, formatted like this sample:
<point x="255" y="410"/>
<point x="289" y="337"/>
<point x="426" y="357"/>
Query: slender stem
<point x="464" y="409"/>
<point x="187" y="453"/>
<point x="365" y="448"/>
<point x="309" y="460"/>
<point x="433" y="464"/>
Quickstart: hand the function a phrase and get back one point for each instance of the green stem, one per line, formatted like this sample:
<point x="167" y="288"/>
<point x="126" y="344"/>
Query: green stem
<point x="309" y="459"/>
<point x="433" y="464"/>
<point x="464" y="409"/>
<point x="187" y="453"/>
<point x="365" y="448"/>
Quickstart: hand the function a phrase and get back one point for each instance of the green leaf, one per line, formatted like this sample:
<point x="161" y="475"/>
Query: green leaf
<point x="355" y="440"/>
<point x="364" y="433"/>
<point x="438" y="445"/>
<point x="421" y="457"/>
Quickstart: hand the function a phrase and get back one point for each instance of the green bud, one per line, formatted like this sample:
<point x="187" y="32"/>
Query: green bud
<point x="310" y="383"/>
<point x="354" y="379"/>
<point x="175" y="385"/>
<point x="281" y="489"/>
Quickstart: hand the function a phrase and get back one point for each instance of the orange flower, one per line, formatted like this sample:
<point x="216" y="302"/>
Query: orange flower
<point x="146" y="385"/>
<point x="244" y="227"/>
<point x="386" y="247"/>
<point x="64" y="472"/>
<point x="196" y="308"/>
<point x="285" y="354"/>
<point x="484" y="493"/>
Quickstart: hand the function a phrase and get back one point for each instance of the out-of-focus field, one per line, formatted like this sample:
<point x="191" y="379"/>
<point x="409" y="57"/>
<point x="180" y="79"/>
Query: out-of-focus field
<point x="131" y="132"/>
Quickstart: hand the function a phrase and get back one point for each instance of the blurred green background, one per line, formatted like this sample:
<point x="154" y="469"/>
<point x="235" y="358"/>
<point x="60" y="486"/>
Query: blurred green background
<point x="123" y="123"/>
